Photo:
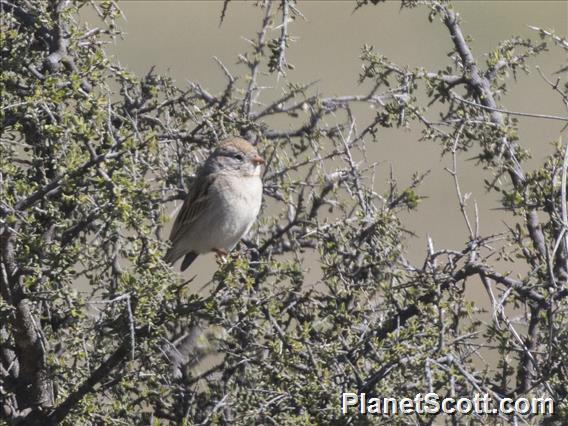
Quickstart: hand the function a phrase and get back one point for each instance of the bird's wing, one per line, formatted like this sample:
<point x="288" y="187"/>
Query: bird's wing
<point x="195" y="205"/>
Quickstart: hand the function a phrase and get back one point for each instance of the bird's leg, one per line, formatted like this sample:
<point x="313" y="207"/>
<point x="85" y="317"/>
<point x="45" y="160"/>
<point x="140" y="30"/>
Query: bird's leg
<point x="221" y="255"/>
<point x="220" y="252"/>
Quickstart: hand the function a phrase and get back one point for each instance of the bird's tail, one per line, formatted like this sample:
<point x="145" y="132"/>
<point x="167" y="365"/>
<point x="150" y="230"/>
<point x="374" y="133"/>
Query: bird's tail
<point x="188" y="260"/>
<point x="174" y="254"/>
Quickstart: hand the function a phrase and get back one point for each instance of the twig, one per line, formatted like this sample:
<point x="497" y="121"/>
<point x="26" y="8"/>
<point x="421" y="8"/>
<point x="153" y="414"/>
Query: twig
<point x="503" y="111"/>
<point x="281" y="63"/>
<point x="259" y="46"/>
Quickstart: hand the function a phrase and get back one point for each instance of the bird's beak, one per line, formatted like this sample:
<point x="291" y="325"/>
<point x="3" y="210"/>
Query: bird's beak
<point x="257" y="160"/>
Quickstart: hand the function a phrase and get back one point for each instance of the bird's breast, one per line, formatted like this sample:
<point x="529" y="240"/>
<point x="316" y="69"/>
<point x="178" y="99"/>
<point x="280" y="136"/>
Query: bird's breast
<point x="239" y="200"/>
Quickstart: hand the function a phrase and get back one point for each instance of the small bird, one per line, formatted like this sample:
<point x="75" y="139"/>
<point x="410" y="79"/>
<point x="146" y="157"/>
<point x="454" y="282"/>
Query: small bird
<point x="222" y="204"/>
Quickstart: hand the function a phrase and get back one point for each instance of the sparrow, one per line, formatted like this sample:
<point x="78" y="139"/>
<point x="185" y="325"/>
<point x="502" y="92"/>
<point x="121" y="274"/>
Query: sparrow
<point x="222" y="204"/>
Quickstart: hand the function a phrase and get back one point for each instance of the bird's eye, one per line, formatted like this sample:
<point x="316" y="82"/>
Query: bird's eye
<point x="239" y="157"/>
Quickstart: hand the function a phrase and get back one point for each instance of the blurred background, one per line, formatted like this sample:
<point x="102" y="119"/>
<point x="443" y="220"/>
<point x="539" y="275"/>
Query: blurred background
<point x="182" y="37"/>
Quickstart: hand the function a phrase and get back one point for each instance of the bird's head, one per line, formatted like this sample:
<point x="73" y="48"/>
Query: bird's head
<point x="236" y="156"/>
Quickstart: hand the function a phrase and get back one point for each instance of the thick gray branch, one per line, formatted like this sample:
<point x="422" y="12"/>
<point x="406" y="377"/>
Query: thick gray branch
<point x="482" y="89"/>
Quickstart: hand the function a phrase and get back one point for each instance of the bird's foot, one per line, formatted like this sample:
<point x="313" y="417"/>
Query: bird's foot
<point x="220" y="252"/>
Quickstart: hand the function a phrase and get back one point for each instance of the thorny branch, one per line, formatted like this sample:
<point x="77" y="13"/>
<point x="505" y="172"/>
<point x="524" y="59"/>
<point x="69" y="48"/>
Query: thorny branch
<point x="371" y="320"/>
